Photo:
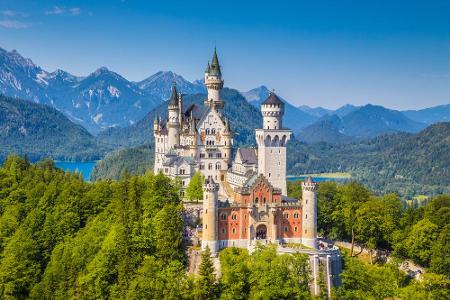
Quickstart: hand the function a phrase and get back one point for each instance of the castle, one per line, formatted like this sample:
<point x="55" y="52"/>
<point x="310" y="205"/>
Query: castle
<point x="245" y="199"/>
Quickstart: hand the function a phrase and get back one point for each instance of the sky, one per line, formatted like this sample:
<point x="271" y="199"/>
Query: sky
<point x="316" y="53"/>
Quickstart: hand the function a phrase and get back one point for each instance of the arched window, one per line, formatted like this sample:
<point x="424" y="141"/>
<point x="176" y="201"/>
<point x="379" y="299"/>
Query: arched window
<point x="234" y="230"/>
<point x="223" y="216"/>
<point x="256" y="200"/>
<point x="234" y="216"/>
<point x="210" y="166"/>
<point x="286" y="215"/>
<point x="264" y="200"/>
<point x="285" y="229"/>
<point x="295" y="215"/>
<point x="217" y="166"/>
<point x="295" y="228"/>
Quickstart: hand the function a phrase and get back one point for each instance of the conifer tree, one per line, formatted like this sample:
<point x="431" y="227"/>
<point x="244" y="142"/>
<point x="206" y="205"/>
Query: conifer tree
<point x="206" y="284"/>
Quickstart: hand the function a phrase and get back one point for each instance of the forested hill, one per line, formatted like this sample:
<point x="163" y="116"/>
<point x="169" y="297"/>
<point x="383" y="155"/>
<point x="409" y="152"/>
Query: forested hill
<point x="243" y="116"/>
<point x="403" y="163"/>
<point x="39" y="131"/>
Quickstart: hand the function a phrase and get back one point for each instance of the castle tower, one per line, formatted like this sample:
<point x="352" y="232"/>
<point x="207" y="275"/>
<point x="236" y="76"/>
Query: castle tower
<point x="309" y="213"/>
<point x="214" y="83"/>
<point x="272" y="140"/>
<point x="173" y="122"/>
<point x="210" y="212"/>
<point x="228" y="141"/>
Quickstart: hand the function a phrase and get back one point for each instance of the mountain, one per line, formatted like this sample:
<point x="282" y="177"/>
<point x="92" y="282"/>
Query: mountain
<point x="244" y="118"/>
<point x="160" y="84"/>
<point x="315" y="111"/>
<point x="294" y="118"/>
<point x="405" y="163"/>
<point x="372" y="120"/>
<point x="40" y="131"/>
<point x="345" y="110"/>
<point x="430" y="115"/>
<point x="364" y="122"/>
<point x="328" y="129"/>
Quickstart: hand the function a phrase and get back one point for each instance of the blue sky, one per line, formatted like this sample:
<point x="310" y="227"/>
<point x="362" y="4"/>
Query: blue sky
<point x="327" y="53"/>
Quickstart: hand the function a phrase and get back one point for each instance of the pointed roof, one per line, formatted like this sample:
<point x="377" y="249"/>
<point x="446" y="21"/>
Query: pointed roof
<point x="214" y="69"/>
<point x="174" y="97"/>
<point x="309" y="180"/>
<point x="272" y="99"/>
<point x="207" y="68"/>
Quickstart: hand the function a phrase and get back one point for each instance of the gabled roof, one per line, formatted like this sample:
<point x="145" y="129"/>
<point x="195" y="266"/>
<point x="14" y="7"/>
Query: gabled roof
<point x="248" y="155"/>
<point x="178" y="161"/>
<point x="272" y="99"/>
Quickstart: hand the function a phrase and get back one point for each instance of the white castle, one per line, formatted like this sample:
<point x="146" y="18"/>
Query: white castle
<point x="244" y="200"/>
<point x="200" y="138"/>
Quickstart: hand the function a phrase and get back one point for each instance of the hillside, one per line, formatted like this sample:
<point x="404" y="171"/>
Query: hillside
<point x="244" y="118"/>
<point x="133" y="160"/>
<point x="39" y="131"/>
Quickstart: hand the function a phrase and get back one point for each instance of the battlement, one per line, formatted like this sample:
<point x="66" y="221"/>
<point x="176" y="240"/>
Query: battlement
<point x="210" y="186"/>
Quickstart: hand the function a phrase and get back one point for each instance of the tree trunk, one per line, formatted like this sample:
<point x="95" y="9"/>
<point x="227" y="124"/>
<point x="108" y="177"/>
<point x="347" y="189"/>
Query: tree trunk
<point x="353" y="243"/>
<point x="370" y="256"/>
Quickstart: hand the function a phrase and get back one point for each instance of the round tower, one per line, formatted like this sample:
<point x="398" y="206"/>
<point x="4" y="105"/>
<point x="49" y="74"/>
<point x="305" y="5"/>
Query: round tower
<point x="173" y="122"/>
<point x="214" y="83"/>
<point x="309" y="213"/>
<point x="272" y="111"/>
<point x="210" y="212"/>
<point x="228" y="140"/>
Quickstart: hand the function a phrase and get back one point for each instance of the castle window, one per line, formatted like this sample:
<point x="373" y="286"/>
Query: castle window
<point x="218" y="166"/>
<point x="219" y="155"/>
<point x="210" y="166"/>
<point x="224" y="230"/>
<point x="264" y="200"/>
<point x="202" y="155"/>
<point x="234" y="230"/>
<point x="213" y="131"/>
<point x="306" y="216"/>
<point x="223" y="216"/>
<point x="285" y="229"/>
<point x="206" y="226"/>
<point x="286" y="215"/>
<point x="234" y="216"/>
<point x="182" y="171"/>
<point x="296" y="216"/>
<point x="256" y="200"/>
<point x="207" y="131"/>
<point x="211" y="155"/>
<point x="202" y="167"/>
<point x="295" y="228"/>
<point x="269" y="174"/>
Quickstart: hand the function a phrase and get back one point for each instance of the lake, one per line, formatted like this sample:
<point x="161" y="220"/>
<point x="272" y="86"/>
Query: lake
<point x="85" y="168"/>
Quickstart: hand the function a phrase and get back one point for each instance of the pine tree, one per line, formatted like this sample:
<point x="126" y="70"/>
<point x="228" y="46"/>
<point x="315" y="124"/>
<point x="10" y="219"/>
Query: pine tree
<point x="206" y="285"/>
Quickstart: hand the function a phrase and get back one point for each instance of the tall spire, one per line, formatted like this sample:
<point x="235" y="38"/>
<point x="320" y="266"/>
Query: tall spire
<point x="174" y="96"/>
<point x="207" y="68"/>
<point x="215" y="66"/>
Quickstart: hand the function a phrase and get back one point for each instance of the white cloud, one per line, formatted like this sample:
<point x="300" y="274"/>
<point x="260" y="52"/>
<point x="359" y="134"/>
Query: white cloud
<point x="12" y="24"/>
<point x="60" y="10"/>
<point x="13" y="13"/>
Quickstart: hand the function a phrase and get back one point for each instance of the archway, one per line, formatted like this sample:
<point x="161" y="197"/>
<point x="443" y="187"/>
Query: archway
<point x="261" y="232"/>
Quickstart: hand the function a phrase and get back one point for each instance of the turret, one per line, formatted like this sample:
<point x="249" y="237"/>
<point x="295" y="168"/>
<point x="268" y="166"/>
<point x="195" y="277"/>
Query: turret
<point x="173" y="122"/>
<point x="272" y="110"/>
<point x="210" y="212"/>
<point x="214" y="83"/>
<point x="156" y="124"/>
<point x="228" y="138"/>
<point x="309" y="213"/>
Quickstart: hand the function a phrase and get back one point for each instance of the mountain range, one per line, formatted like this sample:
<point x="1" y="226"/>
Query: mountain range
<point x="108" y="105"/>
